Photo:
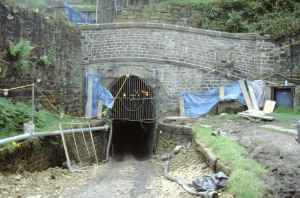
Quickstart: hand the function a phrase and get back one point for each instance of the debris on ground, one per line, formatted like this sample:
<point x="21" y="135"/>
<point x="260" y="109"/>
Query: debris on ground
<point x="210" y="183"/>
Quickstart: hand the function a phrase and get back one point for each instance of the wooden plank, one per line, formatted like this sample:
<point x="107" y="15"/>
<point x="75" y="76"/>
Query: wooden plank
<point x="89" y="105"/>
<point x="176" y="118"/>
<point x="269" y="106"/>
<point x="252" y="96"/>
<point x="258" y="115"/>
<point x="281" y="129"/>
<point x="246" y="94"/>
<point x="99" y="110"/>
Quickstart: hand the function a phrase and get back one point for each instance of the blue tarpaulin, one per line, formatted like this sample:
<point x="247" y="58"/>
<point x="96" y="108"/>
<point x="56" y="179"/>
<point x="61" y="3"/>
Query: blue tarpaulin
<point x="77" y="17"/>
<point x="198" y="104"/>
<point x="99" y="93"/>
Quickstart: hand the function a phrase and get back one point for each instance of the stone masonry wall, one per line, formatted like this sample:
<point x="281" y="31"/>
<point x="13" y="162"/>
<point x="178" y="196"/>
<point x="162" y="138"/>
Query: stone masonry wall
<point x="62" y="81"/>
<point x="177" y="58"/>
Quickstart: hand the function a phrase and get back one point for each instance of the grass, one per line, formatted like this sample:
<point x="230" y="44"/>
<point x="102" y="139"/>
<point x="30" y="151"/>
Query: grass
<point x="85" y="7"/>
<point x="14" y="115"/>
<point x="51" y="120"/>
<point x="245" y="179"/>
<point x="286" y="116"/>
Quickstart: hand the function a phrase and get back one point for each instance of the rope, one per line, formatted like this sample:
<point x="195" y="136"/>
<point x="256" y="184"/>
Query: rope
<point x="127" y="76"/>
<point x="20" y="87"/>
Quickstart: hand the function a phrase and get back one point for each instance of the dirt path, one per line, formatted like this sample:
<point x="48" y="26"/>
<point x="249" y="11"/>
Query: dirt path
<point x="129" y="178"/>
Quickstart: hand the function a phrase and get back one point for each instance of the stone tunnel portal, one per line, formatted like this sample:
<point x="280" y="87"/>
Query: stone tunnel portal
<point x="133" y="117"/>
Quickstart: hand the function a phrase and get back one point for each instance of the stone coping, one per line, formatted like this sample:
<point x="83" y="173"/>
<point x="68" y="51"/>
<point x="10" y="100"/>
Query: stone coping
<point x="161" y="26"/>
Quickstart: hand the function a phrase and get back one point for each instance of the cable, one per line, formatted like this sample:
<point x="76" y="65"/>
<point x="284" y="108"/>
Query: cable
<point x="127" y="76"/>
<point x="19" y="87"/>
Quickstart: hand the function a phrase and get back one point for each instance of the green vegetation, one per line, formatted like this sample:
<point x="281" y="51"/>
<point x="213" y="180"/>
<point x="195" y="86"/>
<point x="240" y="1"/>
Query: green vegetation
<point x="286" y="116"/>
<point x="278" y="18"/>
<point x="20" y="54"/>
<point x="245" y="179"/>
<point x="40" y="5"/>
<point x="85" y="7"/>
<point x="14" y="115"/>
<point x="292" y="111"/>
<point x="21" y="57"/>
<point x="31" y="4"/>
<point x="48" y="59"/>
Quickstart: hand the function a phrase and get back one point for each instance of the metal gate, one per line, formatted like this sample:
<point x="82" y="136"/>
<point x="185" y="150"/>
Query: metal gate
<point x="134" y="100"/>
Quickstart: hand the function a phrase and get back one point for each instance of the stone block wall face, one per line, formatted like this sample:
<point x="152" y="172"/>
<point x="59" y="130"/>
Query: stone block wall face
<point x="178" y="58"/>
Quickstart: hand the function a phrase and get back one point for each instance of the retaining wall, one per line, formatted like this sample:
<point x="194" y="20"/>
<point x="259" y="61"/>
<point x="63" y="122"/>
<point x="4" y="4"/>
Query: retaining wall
<point x="51" y="37"/>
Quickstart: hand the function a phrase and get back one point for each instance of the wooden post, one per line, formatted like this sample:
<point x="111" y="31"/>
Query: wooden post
<point x="88" y="108"/>
<point x="65" y="148"/>
<point x="99" y="110"/>
<point x="181" y="106"/>
<point x="222" y="93"/>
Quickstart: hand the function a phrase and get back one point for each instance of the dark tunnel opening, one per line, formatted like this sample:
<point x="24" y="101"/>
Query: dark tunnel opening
<point x="133" y="138"/>
<point x="133" y="116"/>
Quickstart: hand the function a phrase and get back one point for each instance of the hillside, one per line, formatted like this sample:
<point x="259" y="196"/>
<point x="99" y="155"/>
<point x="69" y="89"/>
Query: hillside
<point x="278" y="18"/>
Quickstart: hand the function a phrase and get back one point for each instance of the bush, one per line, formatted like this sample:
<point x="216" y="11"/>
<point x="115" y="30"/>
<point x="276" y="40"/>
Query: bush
<point x="235" y="23"/>
<point x="279" y="25"/>
<point x="278" y="18"/>
<point x="20" y="54"/>
<point x="13" y="116"/>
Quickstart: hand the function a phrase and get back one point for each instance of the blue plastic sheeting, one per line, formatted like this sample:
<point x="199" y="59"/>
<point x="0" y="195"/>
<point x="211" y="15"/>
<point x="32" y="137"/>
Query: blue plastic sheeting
<point x="99" y="93"/>
<point x="198" y="104"/>
<point x="77" y="17"/>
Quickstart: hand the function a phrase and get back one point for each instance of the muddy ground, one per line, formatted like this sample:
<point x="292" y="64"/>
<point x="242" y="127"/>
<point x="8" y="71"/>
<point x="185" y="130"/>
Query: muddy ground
<point x="276" y="149"/>
<point x="129" y="178"/>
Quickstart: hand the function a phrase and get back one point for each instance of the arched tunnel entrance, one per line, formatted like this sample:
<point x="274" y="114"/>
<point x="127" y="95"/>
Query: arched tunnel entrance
<point x="133" y="117"/>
